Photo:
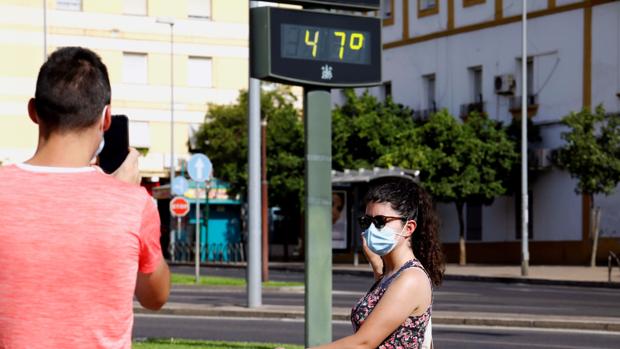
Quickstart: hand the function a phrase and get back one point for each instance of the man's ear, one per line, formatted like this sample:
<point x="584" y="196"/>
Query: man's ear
<point x="107" y="118"/>
<point x="32" y="111"/>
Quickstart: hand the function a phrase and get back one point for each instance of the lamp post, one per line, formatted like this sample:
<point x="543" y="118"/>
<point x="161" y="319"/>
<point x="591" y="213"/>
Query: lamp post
<point x="525" y="254"/>
<point x="44" y="31"/>
<point x="170" y="22"/>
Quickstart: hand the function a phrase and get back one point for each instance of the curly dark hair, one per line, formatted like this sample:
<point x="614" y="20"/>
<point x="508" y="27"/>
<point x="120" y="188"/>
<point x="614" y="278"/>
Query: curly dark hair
<point x="412" y="201"/>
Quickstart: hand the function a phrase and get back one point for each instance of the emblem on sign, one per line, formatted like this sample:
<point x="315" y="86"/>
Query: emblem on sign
<point x="327" y="72"/>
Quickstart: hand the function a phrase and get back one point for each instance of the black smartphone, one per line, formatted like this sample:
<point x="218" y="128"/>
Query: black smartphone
<point x="116" y="146"/>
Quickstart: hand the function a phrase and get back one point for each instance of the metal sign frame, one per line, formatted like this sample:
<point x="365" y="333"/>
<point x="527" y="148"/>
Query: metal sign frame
<point x="268" y="63"/>
<point x="359" y="5"/>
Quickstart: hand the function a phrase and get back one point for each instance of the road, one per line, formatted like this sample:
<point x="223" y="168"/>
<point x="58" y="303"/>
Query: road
<point x="292" y="331"/>
<point x="466" y="296"/>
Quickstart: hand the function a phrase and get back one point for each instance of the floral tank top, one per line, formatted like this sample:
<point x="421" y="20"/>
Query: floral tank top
<point x="410" y="334"/>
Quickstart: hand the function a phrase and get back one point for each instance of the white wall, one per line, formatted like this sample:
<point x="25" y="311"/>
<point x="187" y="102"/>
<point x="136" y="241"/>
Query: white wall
<point x="606" y="56"/>
<point x="474" y="14"/>
<point x="429" y="24"/>
<point x="610" y="215"/>
<point x="555" y="46"/>
<point x="515" y="7"/>
<point x="394" y="32"/>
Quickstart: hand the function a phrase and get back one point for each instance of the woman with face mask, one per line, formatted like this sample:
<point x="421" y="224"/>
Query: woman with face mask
<point x="400" y="241"/>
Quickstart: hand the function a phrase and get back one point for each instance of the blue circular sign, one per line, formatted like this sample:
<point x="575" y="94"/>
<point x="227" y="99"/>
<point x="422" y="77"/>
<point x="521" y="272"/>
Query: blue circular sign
<point x="179" y="186"/>
<point x="199" y="167"/>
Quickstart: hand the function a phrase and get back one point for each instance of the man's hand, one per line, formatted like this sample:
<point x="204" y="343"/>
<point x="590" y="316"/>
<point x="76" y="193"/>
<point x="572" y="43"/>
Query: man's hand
<point x="129" y="171"/>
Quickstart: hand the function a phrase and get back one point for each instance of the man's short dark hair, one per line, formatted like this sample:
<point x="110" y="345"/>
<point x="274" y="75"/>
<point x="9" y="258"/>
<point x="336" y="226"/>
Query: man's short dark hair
<point x="73" y="87"/>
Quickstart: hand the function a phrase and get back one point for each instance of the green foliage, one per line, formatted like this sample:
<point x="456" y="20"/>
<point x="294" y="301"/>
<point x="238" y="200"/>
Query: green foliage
<point x="366" y="132"/>
<point x="459" y="162"/>
<point x="184" y="279"/>
<point x="592" y="150"/>
<point x="224" y="138"/>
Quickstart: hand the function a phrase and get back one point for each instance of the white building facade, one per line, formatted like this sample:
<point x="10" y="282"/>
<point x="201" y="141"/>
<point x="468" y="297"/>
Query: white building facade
<point x="464" y="54"/>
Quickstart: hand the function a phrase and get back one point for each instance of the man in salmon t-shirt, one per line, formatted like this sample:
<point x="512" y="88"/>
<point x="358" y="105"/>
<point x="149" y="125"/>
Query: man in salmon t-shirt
<point x="76" y="244"/>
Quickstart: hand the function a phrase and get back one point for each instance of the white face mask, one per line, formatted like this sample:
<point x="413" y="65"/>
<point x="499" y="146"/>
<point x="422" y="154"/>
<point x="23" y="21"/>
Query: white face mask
<point x="381" y="241"/>
<point x="102" y="143"/>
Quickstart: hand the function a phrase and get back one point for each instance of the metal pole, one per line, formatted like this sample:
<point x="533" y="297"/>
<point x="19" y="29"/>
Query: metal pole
<point x="254" y="194"/>
<point x="197" y="239"/>
<point x="525" y="255"/>
<point x="318" y="248"/>
<point x="44" y="30"/>
<point x="171" y="102"/>
<point x="174" y="240"/>
<point x="265" y="202"/>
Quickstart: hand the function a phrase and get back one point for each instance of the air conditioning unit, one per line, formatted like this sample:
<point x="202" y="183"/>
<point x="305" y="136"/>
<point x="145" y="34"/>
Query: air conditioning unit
<point x="505" y="84"/>
<point x="542" y="158"/>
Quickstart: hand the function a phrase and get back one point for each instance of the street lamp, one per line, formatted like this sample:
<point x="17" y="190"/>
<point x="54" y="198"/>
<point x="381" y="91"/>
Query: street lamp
<point x="170" y="22"/>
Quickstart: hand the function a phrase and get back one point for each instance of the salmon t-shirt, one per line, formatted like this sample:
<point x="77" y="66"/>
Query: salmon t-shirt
<point x="71" y="243"/>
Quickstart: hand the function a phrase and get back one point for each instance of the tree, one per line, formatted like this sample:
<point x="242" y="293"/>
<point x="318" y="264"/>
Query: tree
<point x="460" y="162"/>
<point x="224" y="135"/>
<point x="592" y="155"/>
<point x="367" y="131"/>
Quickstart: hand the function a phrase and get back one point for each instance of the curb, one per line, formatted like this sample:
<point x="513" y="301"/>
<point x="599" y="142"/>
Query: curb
<point x="478" y="319"/>
<point x="450" y="277"/>
<point x="532" y="281"/>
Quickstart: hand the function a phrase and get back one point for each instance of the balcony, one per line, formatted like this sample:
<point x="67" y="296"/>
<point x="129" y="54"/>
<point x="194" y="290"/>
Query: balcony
<point x="424" y="114"/>
<point x="532" y="106"/>
<point x="469" y="108"/>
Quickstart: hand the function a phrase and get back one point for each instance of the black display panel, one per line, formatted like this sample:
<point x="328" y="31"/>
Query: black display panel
<point x="324" y="44"/>
<point x="315" y="48"/>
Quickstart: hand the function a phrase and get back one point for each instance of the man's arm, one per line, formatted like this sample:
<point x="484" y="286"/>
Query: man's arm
<point x="153" y="289"/>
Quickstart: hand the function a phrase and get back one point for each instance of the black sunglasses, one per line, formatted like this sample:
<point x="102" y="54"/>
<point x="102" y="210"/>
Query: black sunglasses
<point x="379" y="221"/>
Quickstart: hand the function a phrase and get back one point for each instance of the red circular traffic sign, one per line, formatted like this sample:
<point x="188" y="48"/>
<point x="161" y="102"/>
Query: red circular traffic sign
<point x="179" y="206"/>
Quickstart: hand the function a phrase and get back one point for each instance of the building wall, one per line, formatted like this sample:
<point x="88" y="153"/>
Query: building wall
<point x="575" y="51"/>
<point x="103" y="27"/>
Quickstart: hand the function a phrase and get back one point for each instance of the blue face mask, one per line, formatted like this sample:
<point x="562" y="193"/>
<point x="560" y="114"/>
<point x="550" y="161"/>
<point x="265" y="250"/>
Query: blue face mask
<point x="381" y="241"/>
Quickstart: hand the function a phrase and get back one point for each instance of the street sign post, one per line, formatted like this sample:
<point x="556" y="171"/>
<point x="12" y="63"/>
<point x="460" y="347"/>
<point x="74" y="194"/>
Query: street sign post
<point x="179" y="207"/>
<point x="199" y="167"/>
<point x="319" y="51"/>
<point x="179" y="186"/>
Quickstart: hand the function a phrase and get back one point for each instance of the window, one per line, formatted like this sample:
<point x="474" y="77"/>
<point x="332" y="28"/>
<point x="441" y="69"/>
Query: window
<point x="135" y="7"/>
<point x="199" y="9"/>
<point x="135" y="68"/>
<point x="387" y="12"/>
<point x="139" y="134"/>
<point x="475" y="75"/>
<point x="429" y="87"/>
<point x="69" y="5"/>
<point x="427" y="7"/>
<point x="387" y="89"/>
<point x="473" y="227"/>
<point x="199" y="71"/>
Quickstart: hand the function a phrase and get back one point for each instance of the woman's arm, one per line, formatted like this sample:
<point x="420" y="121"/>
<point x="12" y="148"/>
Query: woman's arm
<point x="409" y="294"/>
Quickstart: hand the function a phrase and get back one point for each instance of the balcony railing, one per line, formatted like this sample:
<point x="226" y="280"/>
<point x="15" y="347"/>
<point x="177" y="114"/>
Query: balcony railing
<point x="515" y="102"/>
<point x="425" y="114"/>
<point x="469" y="108"/>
